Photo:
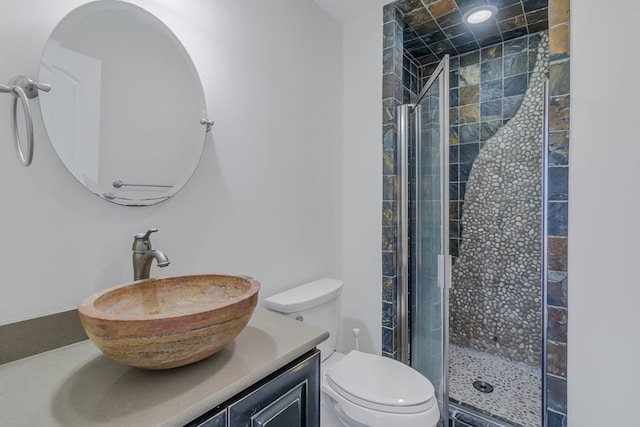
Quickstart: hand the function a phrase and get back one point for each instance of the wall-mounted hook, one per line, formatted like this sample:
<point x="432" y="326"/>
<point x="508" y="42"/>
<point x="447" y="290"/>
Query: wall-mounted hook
<point x="207" y="122"/>
<point x="30" y="87"/>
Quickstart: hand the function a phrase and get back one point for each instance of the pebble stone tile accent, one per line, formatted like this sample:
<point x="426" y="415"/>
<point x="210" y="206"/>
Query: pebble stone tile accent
<point x="496" y="292"/>
<point x="517" y="392"/>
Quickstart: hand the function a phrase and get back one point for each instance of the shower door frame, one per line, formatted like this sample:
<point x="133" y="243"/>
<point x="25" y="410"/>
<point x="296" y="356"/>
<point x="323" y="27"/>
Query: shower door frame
<point x="444" y="264"/>
<point x="444" y="260"/>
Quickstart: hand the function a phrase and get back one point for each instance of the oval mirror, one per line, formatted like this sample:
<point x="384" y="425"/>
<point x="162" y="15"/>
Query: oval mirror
<point x="125" y="109"/>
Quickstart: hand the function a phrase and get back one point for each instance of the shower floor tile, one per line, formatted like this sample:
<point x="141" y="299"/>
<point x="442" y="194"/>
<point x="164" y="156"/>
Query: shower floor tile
<point x="516" y="397"/>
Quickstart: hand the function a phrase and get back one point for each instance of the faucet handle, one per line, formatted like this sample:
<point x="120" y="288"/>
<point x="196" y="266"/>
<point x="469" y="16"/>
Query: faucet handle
<point x="145" y="235"/>
<point x="141" y="241"/>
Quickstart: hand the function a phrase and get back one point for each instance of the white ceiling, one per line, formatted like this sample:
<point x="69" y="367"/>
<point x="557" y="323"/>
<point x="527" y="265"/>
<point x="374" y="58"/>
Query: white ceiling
<point x="346" y="10"/>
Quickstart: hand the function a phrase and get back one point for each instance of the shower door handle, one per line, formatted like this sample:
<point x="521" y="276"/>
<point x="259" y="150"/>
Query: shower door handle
<point x="444" y="271"/>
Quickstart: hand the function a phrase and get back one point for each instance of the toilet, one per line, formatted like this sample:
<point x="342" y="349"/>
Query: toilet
<point x="358" y="389"/>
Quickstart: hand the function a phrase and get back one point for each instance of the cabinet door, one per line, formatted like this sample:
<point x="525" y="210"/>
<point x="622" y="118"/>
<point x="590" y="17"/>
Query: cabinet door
<point x="217" y="419"/>
<point x="290" y="399"/>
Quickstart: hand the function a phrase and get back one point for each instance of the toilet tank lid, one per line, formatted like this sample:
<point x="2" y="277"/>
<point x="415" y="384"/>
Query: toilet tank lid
<point x="305" y="296"/>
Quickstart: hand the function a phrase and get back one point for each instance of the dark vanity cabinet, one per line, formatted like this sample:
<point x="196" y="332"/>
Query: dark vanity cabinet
<point x="290" y="397"/>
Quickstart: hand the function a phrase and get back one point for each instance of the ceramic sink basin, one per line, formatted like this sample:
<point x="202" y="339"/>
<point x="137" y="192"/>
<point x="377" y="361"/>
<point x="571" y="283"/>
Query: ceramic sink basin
<point x="170" y="322"/>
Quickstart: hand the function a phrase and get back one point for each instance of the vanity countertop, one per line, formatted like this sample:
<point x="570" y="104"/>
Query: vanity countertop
<point x="77" y="385"/>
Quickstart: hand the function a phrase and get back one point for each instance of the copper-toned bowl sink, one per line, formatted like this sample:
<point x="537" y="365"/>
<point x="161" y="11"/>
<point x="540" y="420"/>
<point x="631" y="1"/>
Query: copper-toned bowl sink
<point x="165" y="323"/>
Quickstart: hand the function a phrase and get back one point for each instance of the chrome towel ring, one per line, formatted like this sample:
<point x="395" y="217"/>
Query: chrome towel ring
<point x="23" y="88"/>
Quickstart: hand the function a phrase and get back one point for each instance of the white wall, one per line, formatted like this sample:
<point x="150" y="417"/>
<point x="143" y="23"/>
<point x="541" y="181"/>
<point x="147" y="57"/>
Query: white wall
<point x="266" y="199"/>
<point x="362" y="265"/>
<point x="604" y="284"/>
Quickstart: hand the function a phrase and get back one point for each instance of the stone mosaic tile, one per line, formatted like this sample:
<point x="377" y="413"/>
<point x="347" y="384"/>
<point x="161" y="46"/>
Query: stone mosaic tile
<point x="389" y="108"/>
<point x="387" y="340"/>
<point x="555" y="419"/>
<point x="487" y="130"/>
<point x="389" y="187"/>
<point x="491" y="52"/>
<point x="491" y="110"/>
<point x="558" y="184"/>
<point x="516" y="64"/>
<point x="515" y="85"/>
<point x="389" y="266"/>
<point x="559" y="48"/>
<point x="469" y="94"/>
<point x="495" y="300"/>
<point x="510" y="106"/>
<point x="517" y="386"/>
<point x="467" y="134"/>
<point x="557" y="287"/>
<point x="557" y="218"/>
<point x="559" y="78"/>
<point x="469" y="75"/>
<point x="557" y="359"/>
<point x="389" y="215"/>
<point x="557" y="324"/>
<point x="392" y="87"/>
<point x="440" y="8"/>
<point x="389" y="238"/>
<point x="494" y="109"/>
<point x="515" y="46"/>
<point x="490" y="90"/>
<point x="557" y="254"/>
<point x="469" y="58"/>
<point x="454" y="77"/>
<point x="392" y="61"/>
<point x="453" y="176"/>
<point x="558" y="12"/>
<point x="559" y="107"/>
<point x="389" y="162"/>
<point x="388" y="136"/>
<point x="388" y="315"/>
<point x="557" y="393"/>
<point x="454" y="247"/>
<point x="559" y="148"/>
<point x="389" y="289"/>
<point x="392" y="35"/>
<point x="469" y="114"/>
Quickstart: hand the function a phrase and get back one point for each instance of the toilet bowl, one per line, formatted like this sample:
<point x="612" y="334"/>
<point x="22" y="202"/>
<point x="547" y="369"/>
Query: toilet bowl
<point x="366" y="390"/>
<point x="358" y="389"/>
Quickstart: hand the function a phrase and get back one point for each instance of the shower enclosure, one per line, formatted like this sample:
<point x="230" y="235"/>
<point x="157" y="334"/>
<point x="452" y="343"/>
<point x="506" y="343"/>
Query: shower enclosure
<point x="423" y="231"/>
<point x="471" y="301"/>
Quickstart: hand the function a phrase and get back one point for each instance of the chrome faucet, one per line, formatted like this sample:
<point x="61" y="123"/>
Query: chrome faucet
<point x="143" y="255"/>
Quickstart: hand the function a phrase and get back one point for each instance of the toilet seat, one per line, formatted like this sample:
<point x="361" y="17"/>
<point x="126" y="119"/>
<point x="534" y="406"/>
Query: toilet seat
<point x="380" y="384"/>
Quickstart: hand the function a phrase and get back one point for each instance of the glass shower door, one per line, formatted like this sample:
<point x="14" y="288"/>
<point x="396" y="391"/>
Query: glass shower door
<point x="427" y="260"/>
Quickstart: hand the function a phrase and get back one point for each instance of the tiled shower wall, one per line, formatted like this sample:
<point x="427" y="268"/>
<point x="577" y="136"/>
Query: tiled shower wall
<point x="394" y="94"/>
<point x="495" y="303"/>
<point x="558" y="196"/>
<point x="399" y="87"/>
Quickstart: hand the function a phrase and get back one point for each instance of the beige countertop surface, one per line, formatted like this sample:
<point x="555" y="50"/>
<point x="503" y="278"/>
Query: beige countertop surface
<point x="77" y="385"/>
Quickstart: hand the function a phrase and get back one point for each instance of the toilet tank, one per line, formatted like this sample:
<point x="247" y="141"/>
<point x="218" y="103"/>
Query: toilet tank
<point x="317" y="303"/>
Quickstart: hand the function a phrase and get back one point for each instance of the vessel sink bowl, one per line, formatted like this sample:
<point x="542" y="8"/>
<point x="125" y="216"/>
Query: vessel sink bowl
<point x="169" y="322"/>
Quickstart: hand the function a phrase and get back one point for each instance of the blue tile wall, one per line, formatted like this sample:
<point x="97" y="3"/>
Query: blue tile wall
<point x="398" y="75"/>
<point x="487" y="87"/>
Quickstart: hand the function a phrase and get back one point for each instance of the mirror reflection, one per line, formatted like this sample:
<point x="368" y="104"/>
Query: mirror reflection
<point x="124" y="113"/>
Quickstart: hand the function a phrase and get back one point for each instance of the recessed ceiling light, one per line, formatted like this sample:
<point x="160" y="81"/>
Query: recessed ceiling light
<point x="479" y="14"/>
